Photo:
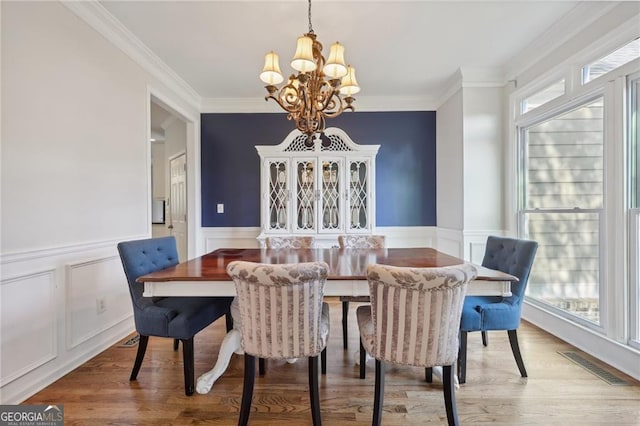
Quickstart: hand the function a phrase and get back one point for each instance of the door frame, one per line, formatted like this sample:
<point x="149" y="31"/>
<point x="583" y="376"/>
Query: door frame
<point x="190" y="114"/>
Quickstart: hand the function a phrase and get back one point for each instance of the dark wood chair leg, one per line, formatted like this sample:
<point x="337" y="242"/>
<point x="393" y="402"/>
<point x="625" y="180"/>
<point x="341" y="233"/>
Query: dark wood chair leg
<point x="176" y="343"/>
<point x="378" y="399"/>
<point x="142" y="348"/>
<point x="247" y="389"/>
<point x="314" y="394"/>
<point x="345" y="324"/>
<point x="228" y="321"/>
<point x="323" y="361"/>
<point x="485" y="339"/>
<point x="363" y="361"/>
<point x="515" y="348"/>
<point x="428" y="374"/>
<point x="261" y="366"/>
<point x="462" y="358"/>
<point x="189" y="370"/>
<point x="449" y="395"/>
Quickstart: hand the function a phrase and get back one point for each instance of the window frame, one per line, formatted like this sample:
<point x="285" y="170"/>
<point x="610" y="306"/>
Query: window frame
<point x="616" y="303"/>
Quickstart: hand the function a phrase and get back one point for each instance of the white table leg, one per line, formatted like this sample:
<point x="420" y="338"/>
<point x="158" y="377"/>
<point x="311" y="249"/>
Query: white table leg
<point x="230" y="344"/>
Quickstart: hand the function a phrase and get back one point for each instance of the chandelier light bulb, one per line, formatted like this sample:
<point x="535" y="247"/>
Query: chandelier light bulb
<point x="271" y="72"/>
<point x="349" y="85"/>
<point x="335" y="66"/>
<point x="303" y="59"/>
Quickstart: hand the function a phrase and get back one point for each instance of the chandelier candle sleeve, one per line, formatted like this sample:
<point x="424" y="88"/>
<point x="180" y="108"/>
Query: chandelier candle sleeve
<point x="321" y="88"/>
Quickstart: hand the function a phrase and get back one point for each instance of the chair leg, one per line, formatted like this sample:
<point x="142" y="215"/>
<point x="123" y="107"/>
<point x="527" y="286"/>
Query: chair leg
<point x="449" y="395"/>
<point x="462" y="358"/>
<point x="345" y="324"/>
<point x="485" y="339"/>
<point x="189" y="370"/>
<point x="176" y="343"/>
<point x="323" y="361"/>
<point x="142" y="348"/>
<point x="314" y="394"/>
<point x="378" y="401"/>
<point x="363" y="361"/>
<point x="428" y="374"/>
<point x="247" y="389"/>
<point x="261" y="366"/>
<point x="228" y="321"/>
<point x="515" y="348"/>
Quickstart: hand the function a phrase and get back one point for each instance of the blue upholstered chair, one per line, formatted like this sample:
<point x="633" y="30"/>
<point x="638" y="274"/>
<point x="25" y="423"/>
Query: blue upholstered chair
<point x="179" y="318"/>
<point x="485" y="313"/>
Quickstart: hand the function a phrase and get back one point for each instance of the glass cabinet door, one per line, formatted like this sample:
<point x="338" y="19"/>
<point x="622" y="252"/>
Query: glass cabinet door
<point x="278" y="195"/>
<point x="331" y="202"/>
<point x="358" y="214"/>
<point x="305" y="198"/>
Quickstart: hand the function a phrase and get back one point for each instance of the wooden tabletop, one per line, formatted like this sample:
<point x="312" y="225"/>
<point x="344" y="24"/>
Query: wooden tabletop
<point x="344" y="264"/>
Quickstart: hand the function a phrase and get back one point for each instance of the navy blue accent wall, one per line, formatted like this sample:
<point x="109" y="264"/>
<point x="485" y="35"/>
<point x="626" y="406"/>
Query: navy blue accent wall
<point x="405" y="165"/>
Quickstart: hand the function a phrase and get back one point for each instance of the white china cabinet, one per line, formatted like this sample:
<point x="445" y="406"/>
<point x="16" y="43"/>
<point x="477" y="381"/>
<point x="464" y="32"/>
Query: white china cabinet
<point x="320" y="187"/>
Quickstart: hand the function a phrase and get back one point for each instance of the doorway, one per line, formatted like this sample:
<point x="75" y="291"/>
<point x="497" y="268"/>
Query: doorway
<point x="168" y="138"/>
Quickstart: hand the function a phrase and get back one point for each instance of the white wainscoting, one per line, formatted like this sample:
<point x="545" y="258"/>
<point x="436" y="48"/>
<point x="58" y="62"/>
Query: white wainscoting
<point x="50" y="321"/>
<point x="28" y="325"/>
<point x="396" y="236"/>
<point x="96" y="298"/>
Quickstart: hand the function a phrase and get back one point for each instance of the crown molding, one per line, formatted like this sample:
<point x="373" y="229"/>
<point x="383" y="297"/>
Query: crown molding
<point x="98" y="18"/>
<point x="575" y="21"/>
<point x="362" y="104"/>
<point x="466" y="77"/>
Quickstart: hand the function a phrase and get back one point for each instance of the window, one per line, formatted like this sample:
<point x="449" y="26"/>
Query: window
<point x="612" y="61"/>
<point x="634" y="206"/>
<point x="543" y="96"/>
<point x="563" y="175"/>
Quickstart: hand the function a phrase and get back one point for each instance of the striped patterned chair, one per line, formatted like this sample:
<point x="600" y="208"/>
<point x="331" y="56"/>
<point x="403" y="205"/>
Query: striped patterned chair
<point x="356" y="242"/>
<point x="290" y="242"/>
<point x="413" y="319"/>
<point x="282" y="316"/>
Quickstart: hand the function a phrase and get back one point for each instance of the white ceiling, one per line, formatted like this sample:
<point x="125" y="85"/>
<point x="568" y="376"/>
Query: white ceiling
<point x="399" y="48"/>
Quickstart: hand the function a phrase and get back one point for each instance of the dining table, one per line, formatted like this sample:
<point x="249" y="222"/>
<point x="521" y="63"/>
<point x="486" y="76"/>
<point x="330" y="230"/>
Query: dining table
<point x="206" y="276"/>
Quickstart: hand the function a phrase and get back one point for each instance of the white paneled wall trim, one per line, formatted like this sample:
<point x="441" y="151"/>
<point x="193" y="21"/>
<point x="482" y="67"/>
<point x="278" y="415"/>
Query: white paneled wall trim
<point x="60" y="307"/>
<point x="32" y="338"/>
<point x="246" y="237"/>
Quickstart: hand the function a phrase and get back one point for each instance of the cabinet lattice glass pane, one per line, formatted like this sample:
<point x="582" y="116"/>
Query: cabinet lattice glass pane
<point x="278" y="190"/>
<point x="330" y="195"/>
<point x="305" y="193"/>
<point x="358" y="176"/>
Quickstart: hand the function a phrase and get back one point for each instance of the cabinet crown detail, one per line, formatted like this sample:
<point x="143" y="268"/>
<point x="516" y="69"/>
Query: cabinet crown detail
<point x="321" y="187"/>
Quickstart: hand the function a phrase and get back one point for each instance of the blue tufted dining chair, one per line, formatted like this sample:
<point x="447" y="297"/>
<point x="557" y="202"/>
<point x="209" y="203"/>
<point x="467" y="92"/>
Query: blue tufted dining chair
<point x="179" y="318"/>
<point x="485" y="313"/>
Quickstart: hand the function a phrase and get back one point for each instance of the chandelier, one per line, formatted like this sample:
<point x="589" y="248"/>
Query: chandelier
<point x="321" y="89"/>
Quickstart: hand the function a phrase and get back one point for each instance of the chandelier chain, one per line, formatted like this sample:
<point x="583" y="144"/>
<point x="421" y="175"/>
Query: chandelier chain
<point x="310" y="27"/>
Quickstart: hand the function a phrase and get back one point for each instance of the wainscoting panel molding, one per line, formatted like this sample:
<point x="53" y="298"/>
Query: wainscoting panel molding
<point x="28" y="327"/>
<point x="50" y="320"/>
<point x="97" y="298"/>
<point x="396" y="236"/>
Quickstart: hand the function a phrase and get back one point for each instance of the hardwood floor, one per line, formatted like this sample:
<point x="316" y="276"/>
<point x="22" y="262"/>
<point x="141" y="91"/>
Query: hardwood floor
<point x="557" y="392"/>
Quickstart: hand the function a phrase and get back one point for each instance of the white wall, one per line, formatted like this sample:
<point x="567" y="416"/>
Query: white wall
<point x="73" y="107"/>
<point x="75" y="181"/>
<point x="483" y="158"/>
<point x="449" y="170"/>
<point x="158" y="178"/>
